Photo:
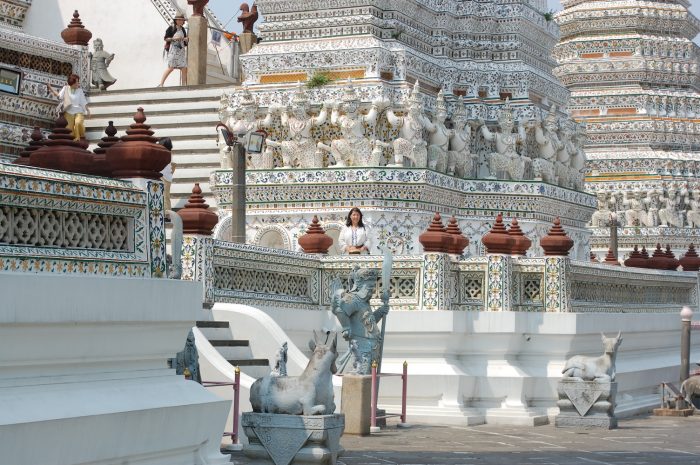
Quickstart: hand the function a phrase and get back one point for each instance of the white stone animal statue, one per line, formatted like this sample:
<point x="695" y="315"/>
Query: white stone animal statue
<point x="280" y="368"/>
<point x="595" y="368"/>
<point x="691" y="388"/>
<point x="311" y="393"/>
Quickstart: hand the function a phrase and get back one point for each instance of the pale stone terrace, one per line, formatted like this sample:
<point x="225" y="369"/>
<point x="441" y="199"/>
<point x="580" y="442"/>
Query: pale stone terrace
<point x="640" y="440"/>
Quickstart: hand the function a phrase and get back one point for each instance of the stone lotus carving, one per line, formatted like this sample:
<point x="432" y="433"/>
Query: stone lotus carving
<point x="600" y="368"/>
<point x="311" y="393"/>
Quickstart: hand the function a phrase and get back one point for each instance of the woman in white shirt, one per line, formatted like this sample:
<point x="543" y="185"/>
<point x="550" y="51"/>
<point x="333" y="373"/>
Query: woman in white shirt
<point x="74" y="105"/>
<point x="353" y="238"/>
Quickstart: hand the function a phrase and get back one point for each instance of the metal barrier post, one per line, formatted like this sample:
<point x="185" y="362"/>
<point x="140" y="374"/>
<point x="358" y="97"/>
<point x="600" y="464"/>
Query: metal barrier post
<point x="236" y="397"/>
<point x="373" y="404"/>
<point x="404" y="379"/>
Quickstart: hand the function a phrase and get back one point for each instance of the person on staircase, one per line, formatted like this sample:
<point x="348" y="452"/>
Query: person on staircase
<point x="176" y="50"/>
<point x="73" y="105"/>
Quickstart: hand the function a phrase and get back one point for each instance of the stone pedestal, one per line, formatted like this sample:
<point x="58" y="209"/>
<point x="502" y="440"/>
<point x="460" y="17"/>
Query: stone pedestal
<point x="587" y="404"/>
<point x="197" y="51"/>
<point x="246" y="41"/>
<point x="356" y="402"/>
<point x="282" y="439"/>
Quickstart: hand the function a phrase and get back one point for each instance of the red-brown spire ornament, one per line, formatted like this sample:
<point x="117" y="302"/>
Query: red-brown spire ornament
<point x="658" y="260"/>
<point x="556" y="242"/>
<point x="100" y="166"/>
<point x="521" y="242"/>
<point x="75" y="33"/>
<point x="315" y="240"/>
<point x="691" y="261"/>
<point x="36" y="142"/>
<point x="196" y="216"/>
<point x="497" y="240"/>
<point x="635" y="259"/>
<point x="457" y="240"/>
<point x="673" y="262"/>
<point x="137" y="155"/>
<point x="593" y="258"/>
<point x="610" y="259"/>
<point x="435" y="238"/>
<point x="61" y="152"/>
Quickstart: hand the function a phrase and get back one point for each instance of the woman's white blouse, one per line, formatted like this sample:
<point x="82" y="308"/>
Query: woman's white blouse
<point x="349" y="237"/>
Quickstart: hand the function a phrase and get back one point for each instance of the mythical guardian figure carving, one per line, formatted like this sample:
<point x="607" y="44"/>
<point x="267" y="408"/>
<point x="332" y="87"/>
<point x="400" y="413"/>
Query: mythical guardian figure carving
<point x="693" y="215"/>
<point x="358" y="320"/>
<point x="635" y="214"/>
<point x="300" y="150"/>
<point x="601" y="217"/>
<point x="460" y="161"/>
<point x="353" y="149"/>
<point x="243" y="123"/>
<point x="506" y="160"/>
<point x="440" y="136"/>
<point x="549" y="146"/>
<point x="410" y="146"/>
<point x="99" y="62"/>
<point x="670" y="215"/>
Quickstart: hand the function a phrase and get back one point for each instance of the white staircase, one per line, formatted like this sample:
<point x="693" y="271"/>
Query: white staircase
<point x="188" y="115"/>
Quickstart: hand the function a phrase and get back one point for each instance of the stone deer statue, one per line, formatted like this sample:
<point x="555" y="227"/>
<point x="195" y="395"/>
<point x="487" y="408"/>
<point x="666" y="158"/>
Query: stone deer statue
<point x="311" y="393"/>
<point x="691" y="388"/>
<point x="595" y="368"/>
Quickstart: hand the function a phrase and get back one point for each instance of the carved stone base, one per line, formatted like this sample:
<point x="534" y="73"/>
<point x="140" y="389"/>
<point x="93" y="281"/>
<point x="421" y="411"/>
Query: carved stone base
<point x="587" y="404"/>
<point x="282" y="439"/>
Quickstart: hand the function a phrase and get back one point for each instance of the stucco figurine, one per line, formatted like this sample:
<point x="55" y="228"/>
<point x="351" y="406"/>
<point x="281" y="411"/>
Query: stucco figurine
<point x="461" y="162"/>
<point x="188" y="359"/>
<point x="506" y="160"/>
<point x="300" y="151"/>
<point x="358" y="320"/>
<point x="440" y="135"/>
<point x="311" y="393"/>
<point x="353" y="148"/>
<point x="595" y="368"/>
<point x="99" y="62"/>
<point x="410" y="146"/>
<point x="280" y="368"/>
<point x="248" y="17"/>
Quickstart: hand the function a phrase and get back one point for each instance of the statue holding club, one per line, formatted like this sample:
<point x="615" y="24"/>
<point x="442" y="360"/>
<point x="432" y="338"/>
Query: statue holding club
<point x="362" y="327"/>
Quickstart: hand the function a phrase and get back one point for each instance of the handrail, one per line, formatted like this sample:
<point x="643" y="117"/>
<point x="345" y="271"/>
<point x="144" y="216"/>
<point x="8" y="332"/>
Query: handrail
<point x="375" y="388"/>
<point x="236" y="404"/>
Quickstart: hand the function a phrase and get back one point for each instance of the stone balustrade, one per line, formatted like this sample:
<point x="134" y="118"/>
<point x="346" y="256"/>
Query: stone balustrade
<point x="58" y="222"/>
<point x="274" y="278"/>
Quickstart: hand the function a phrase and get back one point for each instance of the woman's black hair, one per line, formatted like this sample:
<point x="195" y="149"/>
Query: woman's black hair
<point x="166" y="142"/>
<point x="348" y="221"/>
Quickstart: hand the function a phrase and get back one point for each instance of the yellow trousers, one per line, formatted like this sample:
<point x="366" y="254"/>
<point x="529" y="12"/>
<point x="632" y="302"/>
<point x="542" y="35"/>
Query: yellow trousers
<point x="76" y="123"/>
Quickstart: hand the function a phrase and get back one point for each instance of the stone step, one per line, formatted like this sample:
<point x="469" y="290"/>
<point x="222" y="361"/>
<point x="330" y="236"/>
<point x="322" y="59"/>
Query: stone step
<point x="156" y="94"/>
<point x="252" y="362"/>
<point x="160" y="122"/>
<point x="229" y="342"/>
<point x="212" y="324"/>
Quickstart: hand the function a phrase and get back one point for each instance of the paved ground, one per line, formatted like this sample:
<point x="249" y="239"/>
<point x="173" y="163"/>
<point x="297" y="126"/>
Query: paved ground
<point x="641" y="440"/>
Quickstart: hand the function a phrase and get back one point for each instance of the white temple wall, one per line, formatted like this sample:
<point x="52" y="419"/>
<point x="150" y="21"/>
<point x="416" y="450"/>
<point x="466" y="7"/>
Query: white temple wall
<point x="83" y="367"/>
<point x="131" y="29"/>
<point x="493" y="367"/>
